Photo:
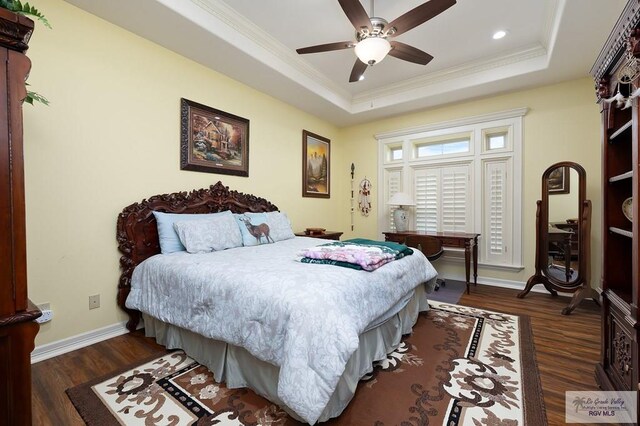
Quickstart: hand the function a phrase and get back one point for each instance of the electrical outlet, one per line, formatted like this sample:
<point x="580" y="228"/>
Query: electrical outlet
<point x="94" y="301"/>
<point x="47" y="315"/>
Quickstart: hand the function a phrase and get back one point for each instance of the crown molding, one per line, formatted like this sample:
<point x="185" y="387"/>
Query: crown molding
<point x="475" y="119"/>
<point x="551" y="23"/>
<point x="463" y="71"/>
<point x="275" y="50"/>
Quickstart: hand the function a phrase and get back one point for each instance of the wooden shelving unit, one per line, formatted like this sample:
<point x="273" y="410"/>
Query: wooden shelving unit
<point x="619" y="365"/>
<point x="17" y="314"/>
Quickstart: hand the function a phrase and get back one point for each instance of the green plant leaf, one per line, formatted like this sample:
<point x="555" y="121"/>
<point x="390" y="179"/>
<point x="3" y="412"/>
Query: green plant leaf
<point x="24" y="9"/>
<point x="35" y="97"/>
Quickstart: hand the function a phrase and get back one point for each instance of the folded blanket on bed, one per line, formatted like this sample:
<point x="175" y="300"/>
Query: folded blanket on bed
<point x="357" y="253"/>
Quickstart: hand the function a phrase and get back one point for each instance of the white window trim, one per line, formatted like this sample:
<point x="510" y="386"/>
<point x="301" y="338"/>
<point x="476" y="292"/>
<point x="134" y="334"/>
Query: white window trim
<point x="408" y="164"/>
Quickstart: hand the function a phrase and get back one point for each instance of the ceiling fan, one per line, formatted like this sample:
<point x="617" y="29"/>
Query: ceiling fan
<point x="372" y="34"/>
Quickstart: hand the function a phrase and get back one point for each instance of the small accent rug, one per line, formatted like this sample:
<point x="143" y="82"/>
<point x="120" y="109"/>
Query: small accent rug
<point x="460" y="366"/>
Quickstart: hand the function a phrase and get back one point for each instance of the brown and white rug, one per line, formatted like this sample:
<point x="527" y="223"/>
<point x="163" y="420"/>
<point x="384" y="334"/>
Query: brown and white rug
<point x="460" y="366"/>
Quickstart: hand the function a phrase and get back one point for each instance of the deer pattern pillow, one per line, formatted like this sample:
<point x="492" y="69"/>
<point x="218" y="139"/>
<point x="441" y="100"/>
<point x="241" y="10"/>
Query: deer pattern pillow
<point x="263" y="228"/>
<point x="254" y="229"/>
<point x="210" y="234"/>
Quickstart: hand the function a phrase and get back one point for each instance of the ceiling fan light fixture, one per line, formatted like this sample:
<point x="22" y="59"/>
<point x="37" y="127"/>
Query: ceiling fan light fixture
<point x="372" y="50"/>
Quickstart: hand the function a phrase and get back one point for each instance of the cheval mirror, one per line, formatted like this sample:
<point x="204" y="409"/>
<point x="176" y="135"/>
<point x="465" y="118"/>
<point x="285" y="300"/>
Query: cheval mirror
<point x="563" y="229"/>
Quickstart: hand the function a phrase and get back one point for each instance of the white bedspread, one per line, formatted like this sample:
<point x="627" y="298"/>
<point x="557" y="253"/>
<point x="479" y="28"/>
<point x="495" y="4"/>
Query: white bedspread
<point x="304" y="318"/>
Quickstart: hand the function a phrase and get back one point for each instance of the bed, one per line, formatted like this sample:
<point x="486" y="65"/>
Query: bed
<point x="301" y="335"/>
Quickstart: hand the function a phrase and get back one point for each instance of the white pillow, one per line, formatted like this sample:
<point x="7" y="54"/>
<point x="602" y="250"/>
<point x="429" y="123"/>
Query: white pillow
<point x="280" y="226"/>
<point x="210" y="234"/>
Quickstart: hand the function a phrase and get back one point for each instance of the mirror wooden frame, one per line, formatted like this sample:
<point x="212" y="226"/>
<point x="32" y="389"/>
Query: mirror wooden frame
<point x="581" y="286"/>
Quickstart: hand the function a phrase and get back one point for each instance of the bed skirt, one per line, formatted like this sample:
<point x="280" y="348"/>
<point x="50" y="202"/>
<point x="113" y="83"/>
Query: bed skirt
<point x="237" y="368"/>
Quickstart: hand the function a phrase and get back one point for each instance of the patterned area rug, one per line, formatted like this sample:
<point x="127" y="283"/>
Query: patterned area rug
<point x="460" y="366"/>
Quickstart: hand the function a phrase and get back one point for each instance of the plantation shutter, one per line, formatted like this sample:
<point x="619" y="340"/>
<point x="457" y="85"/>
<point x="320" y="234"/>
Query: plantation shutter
<point x="426" y="197"/>
<point x="456" y="199"/>
<point x="394" y="185"/>
<point x="496" y="226"/>
<point x="443" y="199"/>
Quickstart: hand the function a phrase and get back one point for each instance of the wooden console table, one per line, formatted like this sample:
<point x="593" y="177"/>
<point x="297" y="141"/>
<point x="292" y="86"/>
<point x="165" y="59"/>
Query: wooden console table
<point x="467" y="241"/>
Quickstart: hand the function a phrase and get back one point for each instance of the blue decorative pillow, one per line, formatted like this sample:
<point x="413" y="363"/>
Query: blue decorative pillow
<point x="254" y="228"/>
<point x="169" y="240"/>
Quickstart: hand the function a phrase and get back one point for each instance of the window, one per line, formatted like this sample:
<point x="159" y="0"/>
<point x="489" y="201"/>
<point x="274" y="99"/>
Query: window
<point x="496" y="141"/>
<point x="465" y="176"/>
<point x="396" y="154"/>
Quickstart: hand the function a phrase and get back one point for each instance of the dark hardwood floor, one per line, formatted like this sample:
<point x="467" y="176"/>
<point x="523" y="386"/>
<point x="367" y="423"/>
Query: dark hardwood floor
<point x="567" y="349"/>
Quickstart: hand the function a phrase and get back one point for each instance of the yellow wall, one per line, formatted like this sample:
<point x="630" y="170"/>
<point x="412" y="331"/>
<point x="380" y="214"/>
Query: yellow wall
<point x="563" y="123"/>
<point x="111" y="138"/>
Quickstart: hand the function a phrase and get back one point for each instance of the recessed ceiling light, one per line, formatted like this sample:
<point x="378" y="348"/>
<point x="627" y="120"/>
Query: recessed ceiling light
<point x="499" y="34"/>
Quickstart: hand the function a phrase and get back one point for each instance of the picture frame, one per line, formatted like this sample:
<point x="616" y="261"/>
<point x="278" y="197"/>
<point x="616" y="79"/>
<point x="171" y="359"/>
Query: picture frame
<point x="559" y="181"/>
<point x="213" y="141"/>
<point x="316" y="162"/>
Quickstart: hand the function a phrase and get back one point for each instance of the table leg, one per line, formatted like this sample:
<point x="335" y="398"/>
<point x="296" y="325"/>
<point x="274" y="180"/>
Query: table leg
<point x="567" y="258"/>
<point x="467" y="262"/>
<point x="475" y="261"/>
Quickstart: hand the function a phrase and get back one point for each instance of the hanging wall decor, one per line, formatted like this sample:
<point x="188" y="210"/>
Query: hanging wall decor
<point x="364" y="199"/>
<point x="316" y="161"/>
<point x="213" y="141"/>
<point x="353" y="170"/>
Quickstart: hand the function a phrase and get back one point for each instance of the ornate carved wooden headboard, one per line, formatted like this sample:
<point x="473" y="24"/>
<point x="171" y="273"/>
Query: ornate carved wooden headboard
<point x="137" y="231"/>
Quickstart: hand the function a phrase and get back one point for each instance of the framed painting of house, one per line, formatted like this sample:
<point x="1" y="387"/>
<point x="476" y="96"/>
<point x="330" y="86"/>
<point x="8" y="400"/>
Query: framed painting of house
<point x="316" y="159"/>
<point x="213" y="141"/>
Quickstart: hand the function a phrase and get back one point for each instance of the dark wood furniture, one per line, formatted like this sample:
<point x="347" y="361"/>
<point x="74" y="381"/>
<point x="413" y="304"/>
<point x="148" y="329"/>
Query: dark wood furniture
<point x="326" y="235"/>
<point x="137" y="230"/>
<point x="573" y="280"/>
<point x="571" y="226"/>
<point x="562" y="240"/>
<point x="619" y="365"/>
<point x="17" y="314"/>
<point x="464" y="240"/>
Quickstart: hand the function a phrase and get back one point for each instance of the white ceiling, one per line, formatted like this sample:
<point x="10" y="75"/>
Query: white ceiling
<point x="254" y="42"/>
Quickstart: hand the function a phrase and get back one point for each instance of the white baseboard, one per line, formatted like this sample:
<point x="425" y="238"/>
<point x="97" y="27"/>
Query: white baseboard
<point x="49" y="350"/>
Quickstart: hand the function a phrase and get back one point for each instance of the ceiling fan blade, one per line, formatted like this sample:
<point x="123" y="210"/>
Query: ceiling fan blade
<point x="409" y="53"/>
<point x="358" y="70"/>
<point x="326" y="47"/>
<point x="356" y="14"/>
<point x="420" y="15"/>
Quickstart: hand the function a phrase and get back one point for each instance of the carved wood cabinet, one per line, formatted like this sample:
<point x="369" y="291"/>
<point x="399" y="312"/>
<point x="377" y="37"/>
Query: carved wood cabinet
<point x="614" y="73"/>
<point x="17" y="314"/>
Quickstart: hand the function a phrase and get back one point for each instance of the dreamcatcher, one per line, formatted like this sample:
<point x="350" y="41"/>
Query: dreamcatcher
<point x="364" y="197"/>
<point x="627" y="75"/>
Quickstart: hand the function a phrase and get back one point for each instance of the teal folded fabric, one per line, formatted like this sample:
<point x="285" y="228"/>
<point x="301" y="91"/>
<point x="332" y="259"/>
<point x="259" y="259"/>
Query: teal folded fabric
<point x="400" y="248"/>
<point x="331" y="262"/>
